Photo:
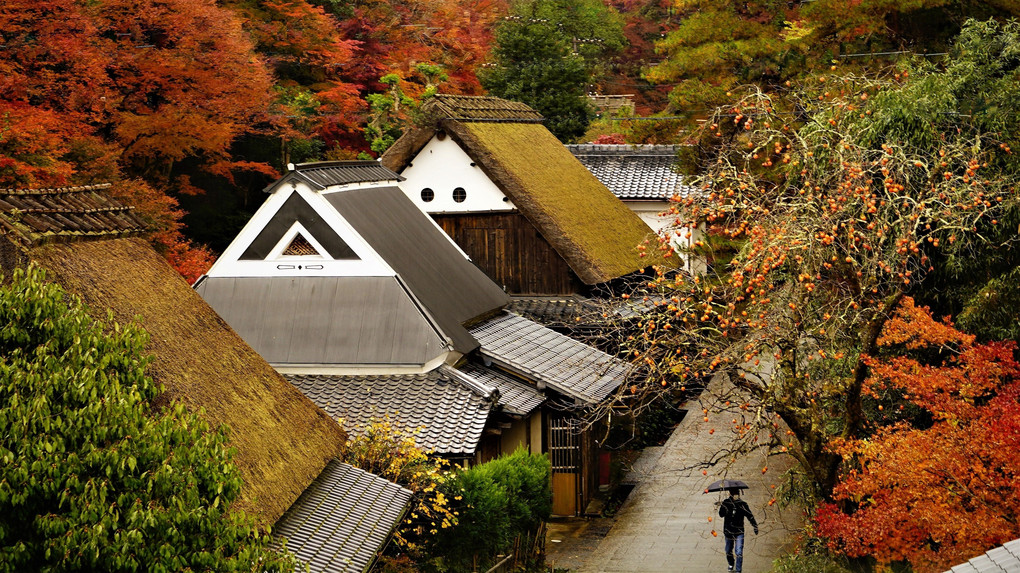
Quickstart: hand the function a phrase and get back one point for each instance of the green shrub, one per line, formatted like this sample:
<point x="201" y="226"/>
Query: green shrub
<point x="501" y="500"/>
<point x="91" y="477"/>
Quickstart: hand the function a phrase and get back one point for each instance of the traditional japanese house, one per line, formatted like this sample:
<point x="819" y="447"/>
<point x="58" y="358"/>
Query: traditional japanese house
<point x="376" y="315"/>
<point x="343" y="286"/>
<point x="94" y="247"/>
<point x="577" y="378"/>
<point x="515" y="200"/>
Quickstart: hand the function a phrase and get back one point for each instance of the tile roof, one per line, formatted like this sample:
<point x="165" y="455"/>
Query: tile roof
<point x="535" y="352"/>
<point x="515" y="397"/>
<point x="553" y="309"/>
<point x="342" y="521"/>
<point x="448" y="415"/>
<point x="635" y="171"/>
<point x="1002" y="559"/>
<point x="66" y="214"/>
<point x="480" y="108"/>
<point x="323" y="174"/>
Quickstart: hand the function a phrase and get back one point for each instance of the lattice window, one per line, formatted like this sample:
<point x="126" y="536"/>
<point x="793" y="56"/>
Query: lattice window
<point x="300" y="247"/>
<point x="564" y="444"/>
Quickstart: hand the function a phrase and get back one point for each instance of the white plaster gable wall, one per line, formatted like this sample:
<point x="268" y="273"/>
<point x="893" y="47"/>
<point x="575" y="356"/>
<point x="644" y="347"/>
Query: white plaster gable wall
<point x="443" y="166"/>
<point x="369" y="263"/>
<point x="652" y="213"/>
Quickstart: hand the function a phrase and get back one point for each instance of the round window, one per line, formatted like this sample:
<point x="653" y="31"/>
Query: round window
<point x="427" y="195"/>
<point x="459" y="194"/>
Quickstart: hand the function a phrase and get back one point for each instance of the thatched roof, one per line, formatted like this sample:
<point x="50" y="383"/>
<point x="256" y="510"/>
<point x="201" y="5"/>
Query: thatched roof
<point x="77" y="234"/>
<point x="283" y="440"/>
<point x="481" y="108"/>
<point x="594" y="232"/>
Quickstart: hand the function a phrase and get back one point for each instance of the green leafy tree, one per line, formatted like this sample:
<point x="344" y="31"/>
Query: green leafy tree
<point x="721" y="44"/>
<point x="395" y="109"/>
<point x="92" y="477"/>
<point x="547" y="53"/>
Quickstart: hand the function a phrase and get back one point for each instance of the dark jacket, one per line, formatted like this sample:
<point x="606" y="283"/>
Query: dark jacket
<point x="733" y="512"/>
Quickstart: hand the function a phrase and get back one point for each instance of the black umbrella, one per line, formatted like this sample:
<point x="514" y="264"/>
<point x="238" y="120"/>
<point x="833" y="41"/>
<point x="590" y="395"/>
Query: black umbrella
<point x="725" y="484"/>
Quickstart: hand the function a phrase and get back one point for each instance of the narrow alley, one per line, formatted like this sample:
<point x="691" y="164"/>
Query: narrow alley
<point x="667" y="522"/>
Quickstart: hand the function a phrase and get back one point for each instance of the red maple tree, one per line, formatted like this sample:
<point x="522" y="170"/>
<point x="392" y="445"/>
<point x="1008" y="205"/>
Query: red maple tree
<point x="941" y="485"/>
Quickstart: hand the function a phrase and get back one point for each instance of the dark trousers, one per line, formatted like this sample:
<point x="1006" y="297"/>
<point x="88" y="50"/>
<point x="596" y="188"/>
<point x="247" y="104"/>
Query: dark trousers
<point x="735" y="552"/>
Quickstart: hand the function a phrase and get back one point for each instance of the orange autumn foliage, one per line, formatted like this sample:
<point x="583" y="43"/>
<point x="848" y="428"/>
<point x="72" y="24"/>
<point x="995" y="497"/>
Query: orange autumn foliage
<point x="32" y="142"/>
<point x="163" y="216"/>
<point x="946" y="487"/>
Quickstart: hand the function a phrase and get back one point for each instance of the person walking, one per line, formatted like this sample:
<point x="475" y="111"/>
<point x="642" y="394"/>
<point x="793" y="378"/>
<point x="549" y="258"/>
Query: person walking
<point x="733" y="511"/>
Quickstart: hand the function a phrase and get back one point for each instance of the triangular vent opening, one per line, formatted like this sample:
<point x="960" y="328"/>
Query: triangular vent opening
<point x="300" y="247"/>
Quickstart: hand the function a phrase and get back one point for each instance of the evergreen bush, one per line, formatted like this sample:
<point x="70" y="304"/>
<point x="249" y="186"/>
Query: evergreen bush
<point x="502" y="500"/>
<point x="92" y="478"/>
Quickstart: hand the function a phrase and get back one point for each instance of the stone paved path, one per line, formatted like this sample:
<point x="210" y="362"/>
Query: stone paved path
<point x="664" y="525"/>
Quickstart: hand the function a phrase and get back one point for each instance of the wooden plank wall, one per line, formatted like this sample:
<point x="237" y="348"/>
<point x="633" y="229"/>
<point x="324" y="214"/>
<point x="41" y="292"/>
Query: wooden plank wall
<point x="508" y="248"/>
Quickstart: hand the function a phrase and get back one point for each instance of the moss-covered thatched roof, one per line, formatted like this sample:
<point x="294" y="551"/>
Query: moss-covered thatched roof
<point x="283" y="440"/>
<point x="595" y="233"/>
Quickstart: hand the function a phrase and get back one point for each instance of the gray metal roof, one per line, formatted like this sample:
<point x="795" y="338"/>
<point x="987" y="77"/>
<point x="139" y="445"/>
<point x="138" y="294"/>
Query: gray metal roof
<point x="515" y="396"/>
<point x="342" y="520"/>
<point x="449" y="416"/>
<point x="450" y="286"/>
<point x="535" y="352"/>
<point x="323" y="174"/>
<point x="325" y="320"/>
<point x="1002" y="559"/>
<point x="635" y="171"/>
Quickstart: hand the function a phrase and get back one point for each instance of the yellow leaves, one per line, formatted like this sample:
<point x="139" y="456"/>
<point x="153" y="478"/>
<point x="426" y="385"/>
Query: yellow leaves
<point x="794" y="31"/>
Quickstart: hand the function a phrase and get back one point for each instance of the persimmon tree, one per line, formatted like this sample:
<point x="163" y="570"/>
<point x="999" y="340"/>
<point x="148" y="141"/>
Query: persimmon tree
<point x="92" y="477"/>
<point x="942" y="484"/>
<point x="841" y="193"/>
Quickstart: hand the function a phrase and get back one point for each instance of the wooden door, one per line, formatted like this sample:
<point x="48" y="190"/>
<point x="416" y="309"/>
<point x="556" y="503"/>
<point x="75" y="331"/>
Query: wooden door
<point x="564" y="453"/>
